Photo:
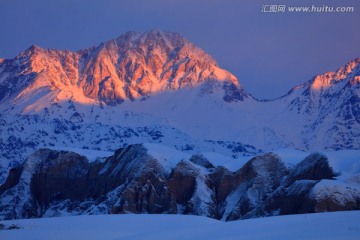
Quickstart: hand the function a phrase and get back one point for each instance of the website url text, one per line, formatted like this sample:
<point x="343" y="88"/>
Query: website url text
<point x="306" y="9"/>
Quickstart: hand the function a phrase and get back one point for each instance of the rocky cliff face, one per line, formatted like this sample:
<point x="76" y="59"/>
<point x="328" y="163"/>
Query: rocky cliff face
<point x="138" y="180"/>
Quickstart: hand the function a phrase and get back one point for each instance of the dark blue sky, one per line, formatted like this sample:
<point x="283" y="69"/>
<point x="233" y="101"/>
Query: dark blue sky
<point x="269" y="52"/>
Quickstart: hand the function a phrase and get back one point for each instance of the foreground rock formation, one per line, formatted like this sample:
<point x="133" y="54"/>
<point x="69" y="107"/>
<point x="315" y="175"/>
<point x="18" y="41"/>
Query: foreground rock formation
<point x="135" y="180"/>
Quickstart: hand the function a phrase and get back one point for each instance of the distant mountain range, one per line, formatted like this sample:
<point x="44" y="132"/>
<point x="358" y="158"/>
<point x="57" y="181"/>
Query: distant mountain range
<point x="159" y="87"/>
<point x="168" y="119"/>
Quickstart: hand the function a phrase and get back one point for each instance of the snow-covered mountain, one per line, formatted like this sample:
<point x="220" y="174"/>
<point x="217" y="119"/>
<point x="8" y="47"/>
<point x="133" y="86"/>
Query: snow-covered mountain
<point x="182" y="130"/>
<point x="132" y="66"/>
<point x="331" y="102"/>
<point x="158" y="87"/>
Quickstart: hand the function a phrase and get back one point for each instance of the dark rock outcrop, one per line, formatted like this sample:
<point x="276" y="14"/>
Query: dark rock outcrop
<point x="51" y="183"/>
<point x="12" y="179"/>
<point x="61" y="175"/>
<point x="313" y="167"/>
<point x="260" y="177"/>
<point x="295" y="195"/>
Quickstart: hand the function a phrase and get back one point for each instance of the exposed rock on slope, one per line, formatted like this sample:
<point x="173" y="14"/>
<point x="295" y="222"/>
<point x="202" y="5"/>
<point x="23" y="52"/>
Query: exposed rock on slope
<point x="137" y="179"/>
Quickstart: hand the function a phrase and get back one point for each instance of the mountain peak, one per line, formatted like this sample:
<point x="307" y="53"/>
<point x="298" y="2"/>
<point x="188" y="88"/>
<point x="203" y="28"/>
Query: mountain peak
<point x="157" y="34"/>
<point x="352" y="66"/>
<point x="349" y="73"/>
<point x="161" y="38"/>
<point x="156" y="40"/>
<point x="330" y="79"/>
<point x="31" y="54"/>
<point x="33" y="49"/>
<point x="132" y="66"/>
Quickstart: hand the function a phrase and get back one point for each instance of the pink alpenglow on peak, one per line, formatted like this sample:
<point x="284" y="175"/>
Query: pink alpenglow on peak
<point x="130" y="67"/>
<point x="322" y="82"/>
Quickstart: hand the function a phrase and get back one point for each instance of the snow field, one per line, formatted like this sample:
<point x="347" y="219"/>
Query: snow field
<point x="335" y="225"/>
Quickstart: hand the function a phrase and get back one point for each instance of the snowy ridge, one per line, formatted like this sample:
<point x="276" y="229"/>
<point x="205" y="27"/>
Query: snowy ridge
<point x="91" y="155"/>
<point x="167" y="157"/>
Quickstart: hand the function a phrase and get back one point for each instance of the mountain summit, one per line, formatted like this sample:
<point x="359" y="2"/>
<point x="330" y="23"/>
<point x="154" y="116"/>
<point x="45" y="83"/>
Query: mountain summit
<point x="132" y="66"/>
